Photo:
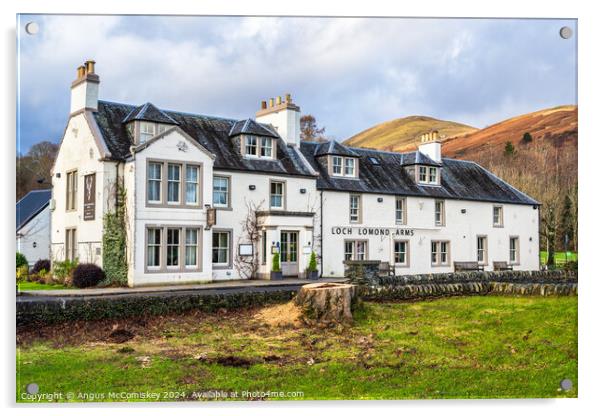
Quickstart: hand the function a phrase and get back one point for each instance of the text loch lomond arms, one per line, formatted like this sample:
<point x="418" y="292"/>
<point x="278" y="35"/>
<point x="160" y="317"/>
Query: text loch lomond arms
<point x="372" y="231"/>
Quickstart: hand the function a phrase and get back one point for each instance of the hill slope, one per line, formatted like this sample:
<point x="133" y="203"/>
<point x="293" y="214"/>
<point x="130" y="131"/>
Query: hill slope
<point x="556" y="126"/>
<point x="401" y="134"/>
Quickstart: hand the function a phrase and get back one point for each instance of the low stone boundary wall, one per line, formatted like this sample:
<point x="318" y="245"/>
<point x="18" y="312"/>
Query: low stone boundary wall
<point x="37" y="311"/>
<point x="422" y="286"/>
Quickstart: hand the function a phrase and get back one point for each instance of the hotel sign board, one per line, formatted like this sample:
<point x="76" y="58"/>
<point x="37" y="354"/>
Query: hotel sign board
<point x="372" y="231"/>
<point x="89" y="197"/>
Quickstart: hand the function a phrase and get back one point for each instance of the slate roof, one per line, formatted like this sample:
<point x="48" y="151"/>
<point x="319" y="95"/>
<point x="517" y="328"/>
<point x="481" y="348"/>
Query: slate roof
<point x="211" y="132"/>
<point x="332" y="147"/>
<point x="417" y="158"/>
<point x="148" y="112"/>
<point x="250" y="126"/>
<point x="459" y="179"/>
<point x="31" y="205"/>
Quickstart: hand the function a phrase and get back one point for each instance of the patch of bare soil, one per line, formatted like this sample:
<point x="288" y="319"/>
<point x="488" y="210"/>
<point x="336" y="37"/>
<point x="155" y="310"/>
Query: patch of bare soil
<point x="286" y="315"/>
<point x="121" y="330"/>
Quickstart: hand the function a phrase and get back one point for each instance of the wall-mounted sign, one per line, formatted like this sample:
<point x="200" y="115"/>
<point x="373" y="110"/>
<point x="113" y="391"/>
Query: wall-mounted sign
<point x="89" y="197"/>
<point x="245" y="249"/>
<point x="373" y="231"/>
<point x="211" y="217"/>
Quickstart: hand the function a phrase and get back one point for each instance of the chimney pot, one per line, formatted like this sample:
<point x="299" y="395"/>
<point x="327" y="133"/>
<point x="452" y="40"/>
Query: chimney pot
<point x="264" y="105"/>
<point x="90" y="66"/>
<point x="81" y="71"/>
<point x="288" y="98"/>
<point x="278" y="100"/>
<point x="271" y="102"/>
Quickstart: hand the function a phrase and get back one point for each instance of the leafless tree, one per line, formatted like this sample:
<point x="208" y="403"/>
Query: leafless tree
<point x="247" y="266"/>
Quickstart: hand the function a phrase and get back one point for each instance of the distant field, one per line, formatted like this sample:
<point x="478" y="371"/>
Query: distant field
<point x="559" y="258"/>
<point x="469" y="347"/>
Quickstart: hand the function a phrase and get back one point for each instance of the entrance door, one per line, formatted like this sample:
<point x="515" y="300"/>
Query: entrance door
<point x="288" y="253"/>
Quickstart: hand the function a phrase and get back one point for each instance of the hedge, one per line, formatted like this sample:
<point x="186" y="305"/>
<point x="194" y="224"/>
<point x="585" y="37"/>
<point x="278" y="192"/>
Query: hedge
<point x="63" y="309"/>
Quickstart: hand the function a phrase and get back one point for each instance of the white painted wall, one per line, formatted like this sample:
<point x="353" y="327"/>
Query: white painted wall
<point x="295" y="201"/>
<point x="79" y="151"/>
<point x="166" y="148"/>
<point x="35" y="233"/>
<point x="460" y="229"/>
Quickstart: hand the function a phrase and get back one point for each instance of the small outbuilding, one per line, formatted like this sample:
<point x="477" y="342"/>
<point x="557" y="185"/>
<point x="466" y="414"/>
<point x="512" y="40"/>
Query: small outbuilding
<point x="33" y="225"/>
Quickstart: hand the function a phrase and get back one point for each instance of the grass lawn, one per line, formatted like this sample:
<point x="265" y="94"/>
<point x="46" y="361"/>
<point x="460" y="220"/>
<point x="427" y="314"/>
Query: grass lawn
<point x="39" y="286"/>
<point x="559" y="257"/>
<point x="471" y="347"/>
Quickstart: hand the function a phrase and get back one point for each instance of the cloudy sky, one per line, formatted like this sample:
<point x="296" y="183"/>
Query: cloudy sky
<point x="350" y="73"/>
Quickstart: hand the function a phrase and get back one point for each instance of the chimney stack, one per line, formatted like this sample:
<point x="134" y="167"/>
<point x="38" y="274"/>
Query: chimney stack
<point x="84" y="90"/>
<point x="430" y="145"/>
<point x="285" y="116"/>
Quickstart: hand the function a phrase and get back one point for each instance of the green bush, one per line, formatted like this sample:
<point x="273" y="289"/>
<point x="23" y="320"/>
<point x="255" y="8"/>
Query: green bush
<point x="21" y="260"/>
<point x="22" y="273"/>
<point x="63" y="270"/>
<point x="276" y="262"/>
<point x="313" y="263"/>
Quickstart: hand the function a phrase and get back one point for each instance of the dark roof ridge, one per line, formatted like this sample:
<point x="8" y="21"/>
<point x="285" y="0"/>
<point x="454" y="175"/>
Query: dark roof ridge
<point x="183" y="113"/>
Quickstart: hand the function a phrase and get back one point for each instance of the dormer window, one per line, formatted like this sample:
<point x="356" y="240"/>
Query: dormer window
<point x="428" y="175"/>
<point x="147" y="130"/>
<point x="337" y="165"/>
<point x="349" y="167"/>
<point x="262" y="147"/>
<point x="343" y="166"/>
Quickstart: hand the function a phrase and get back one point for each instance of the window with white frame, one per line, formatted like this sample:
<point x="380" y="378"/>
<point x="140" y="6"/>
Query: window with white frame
<point x="514" y="253"/>
<point x="349" y="167"/>
<point x="355" y="208"/>
<point x="153" y="247"/>
<point x="439" y="253"/>
<point x="400" y="210"/>
<point x="266" y="147"/>
<point x="192" y="185"/>
<point x="422" y="174"/>
<point x="400" y="252"/>
<point x="482" y="249"/>
<point x="250" y="146"/>
<point x="337" y="165"/>
<point x="433" y="175"/>
<point x="173" y="247"/>
<point x="147" y="130"/>
<point x="173" y="183"/>
<point x="221" y="191"/>
<point x="498" y="216"/>
<point x="356" y="250"/>
<point x="192" y="247"/>
<point x="439" y="213"/>
<point x="276" y="194"/>
<point x="153" y="186"/>
<point x="221" y="248"/>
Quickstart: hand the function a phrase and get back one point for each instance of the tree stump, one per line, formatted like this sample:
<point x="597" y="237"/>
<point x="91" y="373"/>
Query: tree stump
<point x="327" y="302"/>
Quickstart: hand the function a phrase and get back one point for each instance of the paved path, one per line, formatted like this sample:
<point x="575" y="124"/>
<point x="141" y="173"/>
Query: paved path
<point x="230" y="286"/>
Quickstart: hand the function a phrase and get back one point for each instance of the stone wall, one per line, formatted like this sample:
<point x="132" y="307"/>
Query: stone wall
<point x="422" y="286"/>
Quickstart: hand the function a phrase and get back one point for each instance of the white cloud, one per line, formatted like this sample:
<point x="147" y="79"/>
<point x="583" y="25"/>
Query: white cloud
<point x="349" y="73"/>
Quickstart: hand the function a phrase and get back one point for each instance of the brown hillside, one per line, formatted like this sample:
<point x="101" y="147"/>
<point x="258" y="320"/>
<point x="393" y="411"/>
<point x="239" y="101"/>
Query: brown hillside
<point x="555" y="126"/>
<point x="401" y="134"/>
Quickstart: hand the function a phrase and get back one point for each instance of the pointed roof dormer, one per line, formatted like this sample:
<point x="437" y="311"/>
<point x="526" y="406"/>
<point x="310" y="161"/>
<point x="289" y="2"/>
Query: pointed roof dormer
<point x="250" y="126"/>
<point x="148" y="112"/>
<point x="333" y="147"/>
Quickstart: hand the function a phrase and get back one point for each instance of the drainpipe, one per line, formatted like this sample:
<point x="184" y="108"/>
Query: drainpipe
<point x="321" y="234"/>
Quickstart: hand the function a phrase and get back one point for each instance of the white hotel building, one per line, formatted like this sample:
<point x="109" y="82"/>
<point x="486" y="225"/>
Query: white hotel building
<point x="417" y="211"/>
